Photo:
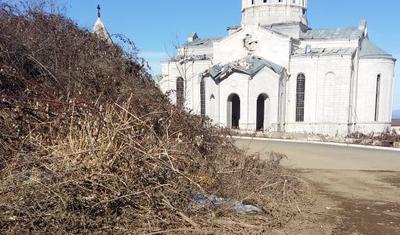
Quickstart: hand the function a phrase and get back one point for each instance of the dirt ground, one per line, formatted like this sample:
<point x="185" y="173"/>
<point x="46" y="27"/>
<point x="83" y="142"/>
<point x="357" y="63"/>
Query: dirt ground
<point x="353" y="203"/>
<point x="353" y="196"/>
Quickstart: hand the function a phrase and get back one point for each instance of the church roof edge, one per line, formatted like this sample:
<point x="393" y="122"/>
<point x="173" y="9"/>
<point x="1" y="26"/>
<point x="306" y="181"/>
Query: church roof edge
<point x="348" y="33"/>
<point x="370" y="50"/>
<point x="335" y="51"/>
<point x="249" y="65"/>
<point x="202" y="42"/>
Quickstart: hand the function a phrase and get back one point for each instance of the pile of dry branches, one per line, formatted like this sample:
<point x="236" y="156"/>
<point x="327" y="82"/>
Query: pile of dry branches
<point x="88" y="144"/>
<point x="386" y="139"/>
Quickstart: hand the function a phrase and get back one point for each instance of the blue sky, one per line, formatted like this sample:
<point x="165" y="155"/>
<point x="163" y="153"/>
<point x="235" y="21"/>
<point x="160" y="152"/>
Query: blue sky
<point x="156" y="25"/>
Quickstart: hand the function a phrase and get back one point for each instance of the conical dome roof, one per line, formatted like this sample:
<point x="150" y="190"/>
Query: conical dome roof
<point x="370" y="50"/>
<point x="100" y="29"/>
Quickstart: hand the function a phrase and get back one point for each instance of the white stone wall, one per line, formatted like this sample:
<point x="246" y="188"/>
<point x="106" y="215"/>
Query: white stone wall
<point x="190" y="72"/>
<point x="369" y="69"/>
<point x="270" y="45"/>
<point x="197" y="51"/>
<point x="368" y="128"/>
<point x="293" y="30"/>
<point x="327" y="92"/>
<point x="273" y="12"/>
<point x="236" y="84"/>
<point x="213" y="104"/>
<point x="265" y="82"/>
<point x="169" y="75"/>
<point x="248" y="90"/>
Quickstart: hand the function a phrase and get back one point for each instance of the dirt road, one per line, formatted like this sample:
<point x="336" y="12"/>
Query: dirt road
<point x="359" y="189"/>
<point x="364" y="202"/>
<point x="318" y="156"/>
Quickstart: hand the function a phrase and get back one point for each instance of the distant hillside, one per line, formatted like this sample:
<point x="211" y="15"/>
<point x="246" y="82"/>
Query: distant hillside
<point x="396" y="114"/>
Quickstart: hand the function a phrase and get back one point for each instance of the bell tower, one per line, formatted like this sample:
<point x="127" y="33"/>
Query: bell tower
<point x="273" y="12"/>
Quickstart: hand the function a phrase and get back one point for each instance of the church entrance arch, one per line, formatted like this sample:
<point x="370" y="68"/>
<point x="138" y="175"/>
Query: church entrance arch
<point x="233" y="113"/>
<point x="262" y="112"/>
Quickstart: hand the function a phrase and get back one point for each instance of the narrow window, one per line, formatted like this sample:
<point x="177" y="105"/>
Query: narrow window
<point x="203" y="97"/>
<point x="180" y="92"/>
<point x="377" y="97"/>
<point x="300" y="96"/>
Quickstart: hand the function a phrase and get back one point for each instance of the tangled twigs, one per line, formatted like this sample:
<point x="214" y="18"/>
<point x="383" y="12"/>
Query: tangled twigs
<point x="89" y="144"/>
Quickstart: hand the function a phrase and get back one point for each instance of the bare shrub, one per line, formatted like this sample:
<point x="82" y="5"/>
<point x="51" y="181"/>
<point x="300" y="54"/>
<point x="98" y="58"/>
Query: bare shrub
<point x="88" y="144"/>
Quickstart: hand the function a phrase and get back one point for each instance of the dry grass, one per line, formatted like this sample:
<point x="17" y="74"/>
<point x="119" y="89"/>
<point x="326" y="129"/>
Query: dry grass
<point x="88" y="144"/>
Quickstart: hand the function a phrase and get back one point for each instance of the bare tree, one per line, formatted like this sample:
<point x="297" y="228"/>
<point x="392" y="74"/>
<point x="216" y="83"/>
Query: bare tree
<point x="183" y="62"/>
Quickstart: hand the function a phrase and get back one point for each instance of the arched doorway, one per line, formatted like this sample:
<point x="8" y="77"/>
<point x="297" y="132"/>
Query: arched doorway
<point x="262" y="112"/>
<point x="233" y="113"/>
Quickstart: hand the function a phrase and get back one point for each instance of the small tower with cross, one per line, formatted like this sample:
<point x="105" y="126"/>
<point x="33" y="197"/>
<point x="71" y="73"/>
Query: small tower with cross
<point x="100" y="29"/>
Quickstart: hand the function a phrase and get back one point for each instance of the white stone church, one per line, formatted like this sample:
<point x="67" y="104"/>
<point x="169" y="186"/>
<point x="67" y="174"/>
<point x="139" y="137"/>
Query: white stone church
<point x="274" y="73"/>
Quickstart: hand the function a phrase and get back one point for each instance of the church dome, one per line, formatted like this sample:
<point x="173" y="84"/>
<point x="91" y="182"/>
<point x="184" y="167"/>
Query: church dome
<point x="270" y="12"/>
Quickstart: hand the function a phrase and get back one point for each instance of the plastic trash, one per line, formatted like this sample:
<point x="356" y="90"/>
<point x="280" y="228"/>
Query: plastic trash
<point x="214" y="201"/>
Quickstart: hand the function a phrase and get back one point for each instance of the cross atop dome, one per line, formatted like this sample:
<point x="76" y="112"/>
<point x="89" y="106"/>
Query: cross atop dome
<point x="98" y="11"/>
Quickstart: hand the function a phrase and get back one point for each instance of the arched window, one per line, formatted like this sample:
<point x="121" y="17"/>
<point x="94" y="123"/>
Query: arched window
<point x="300" y="97"/>
<point x="180" y="87"/>
<point x="203" y="97"/>
<point x="377" y="97"/>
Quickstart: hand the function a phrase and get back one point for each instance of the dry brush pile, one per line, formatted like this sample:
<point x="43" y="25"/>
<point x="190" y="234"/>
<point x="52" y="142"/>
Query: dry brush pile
<point x="88" y="144"/>
<point x="386" y="139"/>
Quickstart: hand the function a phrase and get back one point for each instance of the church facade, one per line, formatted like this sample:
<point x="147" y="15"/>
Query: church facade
<point x="274" y="73"/>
